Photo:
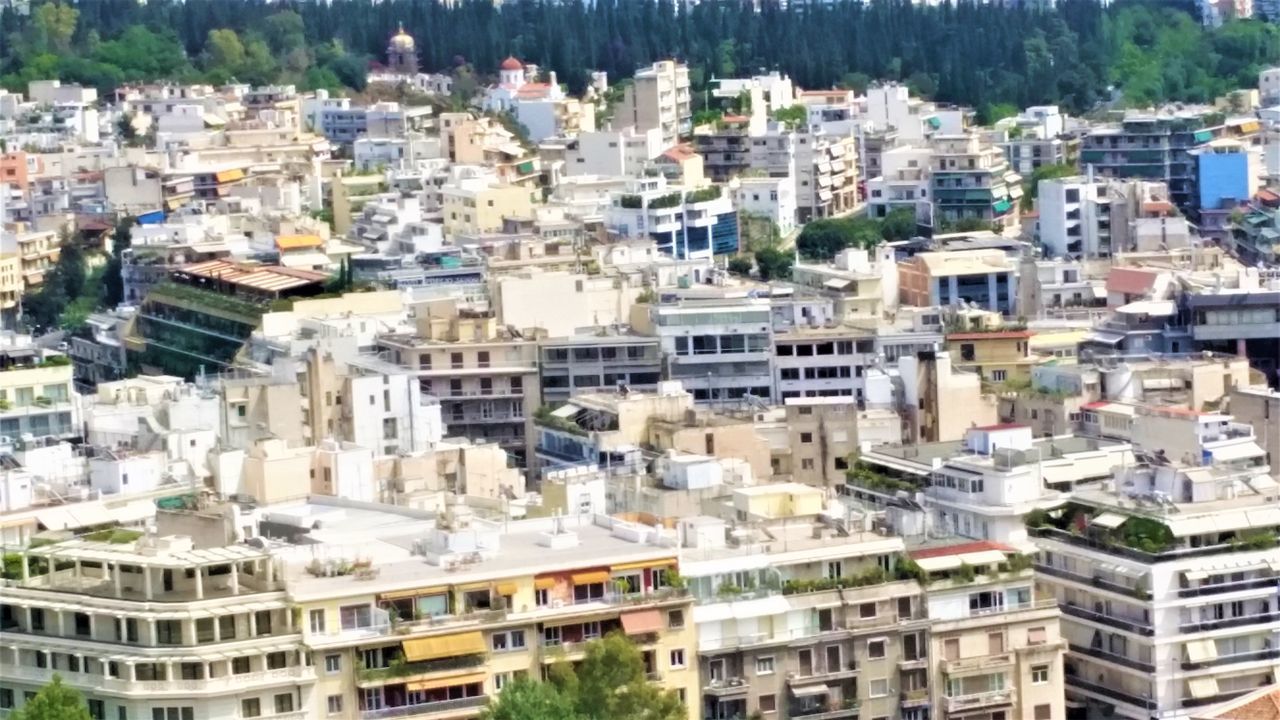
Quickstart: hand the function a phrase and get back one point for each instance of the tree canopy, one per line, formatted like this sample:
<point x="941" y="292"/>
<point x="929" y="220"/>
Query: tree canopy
<point x="55" y="701"/>
<point x="986" y="55"/>
<point x="610" y="682"/>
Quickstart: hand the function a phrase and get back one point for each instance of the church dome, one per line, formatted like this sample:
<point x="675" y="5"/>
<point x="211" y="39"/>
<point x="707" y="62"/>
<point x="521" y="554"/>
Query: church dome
<point x="512" y="64"/>
<point x="402" y="41"/>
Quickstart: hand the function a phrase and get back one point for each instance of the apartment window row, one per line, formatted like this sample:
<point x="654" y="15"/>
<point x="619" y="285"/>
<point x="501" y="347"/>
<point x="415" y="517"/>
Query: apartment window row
<point x="829" y="372"/>
<point x="837" y="347"/>
<point x="721" y="344"/>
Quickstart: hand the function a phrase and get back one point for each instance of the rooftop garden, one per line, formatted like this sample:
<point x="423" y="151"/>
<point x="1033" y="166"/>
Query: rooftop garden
<point x="865" y="476"/>
<point x="1144" y="535"/>
<point x="212" y="299"/>
<point x="545" y="418"/>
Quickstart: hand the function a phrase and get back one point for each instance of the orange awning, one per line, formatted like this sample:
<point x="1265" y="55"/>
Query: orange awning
<point x="295" y="242"/>
<point x="507" y="588"/>
<point x="642" y="622"/>
<point x="432" y="648"/>
<point x="544" y="583"/>
<point x="227" y="176"/>
<point x="644" y="565"/>
<point x="590" y="577"/>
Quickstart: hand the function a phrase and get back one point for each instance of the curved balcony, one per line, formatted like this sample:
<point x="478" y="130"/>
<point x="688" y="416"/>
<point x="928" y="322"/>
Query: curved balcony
<point x="1132" y="626"/>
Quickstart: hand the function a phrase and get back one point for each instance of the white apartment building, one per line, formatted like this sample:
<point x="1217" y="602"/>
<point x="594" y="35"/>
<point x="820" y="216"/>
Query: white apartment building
<point x="658" y="98"/>
<point x="1075" y="217"/>
<point x="156" y="628"/>
<point x="890" y="106"/>
<point x="776" y="90"/>
<point x="720" y="350"/>
<point x="770" y="197"/>
<point x="624" y="152"/>
<point x="1165" y="573"/>
<point x="684" y="222"/>
<point x="826" y="175"/>
<point x="1269" y="86"/>
<point x="904" y="182"/>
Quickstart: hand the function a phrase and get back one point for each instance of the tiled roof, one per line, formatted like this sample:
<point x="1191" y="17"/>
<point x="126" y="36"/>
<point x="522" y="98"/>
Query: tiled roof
<point x="961" y="549"/>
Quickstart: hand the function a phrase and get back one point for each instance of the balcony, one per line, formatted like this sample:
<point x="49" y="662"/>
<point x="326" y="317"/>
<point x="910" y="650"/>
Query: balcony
<point x="1254" y="656"/>
<point x="977" y="664"/>
<point x="1220" y="623"/>
<point x="824" y="674"/>
<point x="1110" y="693"/>
<point x="1176" y="553"/>
<point x="164" y="688"/>
<point x="1218" y="588"/>
<point x="914" y="698"/>
<point x="727" y="687"/>
<point x="1132" y="626"/>
<point x="847" y="710"/>
<point x="414" y="670"/>
<point x="429" y="708"/>
<point x="1113" y="658"/>
<point x="975" y="701"/>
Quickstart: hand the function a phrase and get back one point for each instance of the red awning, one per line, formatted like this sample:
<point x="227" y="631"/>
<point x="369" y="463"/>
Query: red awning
<point x="641" y="622"/>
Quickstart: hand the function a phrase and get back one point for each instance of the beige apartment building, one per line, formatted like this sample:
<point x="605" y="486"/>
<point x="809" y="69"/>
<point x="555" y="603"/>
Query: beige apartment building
<point x="995" y="652"/>
<point x="438" y="635"/>
<point x="475" y="206"/>
<point x="658" y="98"/>
<point x="822" y="435"/>
<point x="485" y="375"/>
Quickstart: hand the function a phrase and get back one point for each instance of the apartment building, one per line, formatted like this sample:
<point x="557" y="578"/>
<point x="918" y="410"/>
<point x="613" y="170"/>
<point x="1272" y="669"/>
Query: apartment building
<point x="1157" y="146"/>
<point x="1163" y="573"/>
<point x="36" y="253"/>
<point x="721" y="350"/>
<point x="11" y="289"/>
<point x="1259" y="406"/>
<point x="995" y="648"/>
<point x="160" y="626"/>
<point x="438" y="628"/>
<point x="37" y="392"/>
<point x="658" y="98"/>
<point x="996" y="355"/>
<point x="987" y="279"/>
<point x="1037" y="137"/>
<point x="1075" y="217"/>
<point x="826" y="175"/>
<point x="971" y="179"/>
<point x="475" y="206"/>
<point x="1253" y="238"/>
<point x="798" y="616"/>
<point x="861" y="284"/>
<point x="485" y="376"/>
<point x="903" y="181"/>
<point x="822" y="436"/>
<point x="813" y="362"/>
<point x="200" y="318"/>
<point x="1242" y="320"/>
<point x="685" y="223"/>
<point x="593" y="362"/>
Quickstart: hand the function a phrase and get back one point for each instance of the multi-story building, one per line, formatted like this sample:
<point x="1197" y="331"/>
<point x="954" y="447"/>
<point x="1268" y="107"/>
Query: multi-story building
<point x="1075" y="217"/>
<point x="822" y="439"/>
<point x="156" y="627"/>
<point x="985" y="278"/>
<point x="1036" y="137"/>
<point x="1156" y="146"/>
<point x="592" y="362"/>
<point x="996" y="356"/>
<point x="902" y="181"/>
<point x="200" y="319"/>
<point x="798" y="616"/>
<point x="862" y="285"/>
<point x="37" y="254"/>
<point x="477" y="205"/>
<point x="1225" y="176"/>
<point x="995" y="648"/>
<point x="773" y="198"/>
<point x="826" y="175"/>
<point x="1163" y="574"/>
<point x="1254" y="237"/>
<point x="485" y="376"/>
<point x="1260" y="406"/>
<point x="37" y="395"/>
<point x="812" y="362"/>
<point x="686" y="224"/>
<point x="1244" y="320"/>
<point x="721" y="350"/>
<point x="658" y="97"/>
<point x="438" y="629"/>
<point x="971" y="179"/>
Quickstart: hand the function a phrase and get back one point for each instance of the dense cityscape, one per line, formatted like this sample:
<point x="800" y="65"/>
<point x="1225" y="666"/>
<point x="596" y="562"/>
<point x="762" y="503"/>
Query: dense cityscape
<point x="639" y="360"/>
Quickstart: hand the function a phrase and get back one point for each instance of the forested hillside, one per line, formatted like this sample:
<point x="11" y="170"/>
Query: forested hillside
<point x="966" y="52"/>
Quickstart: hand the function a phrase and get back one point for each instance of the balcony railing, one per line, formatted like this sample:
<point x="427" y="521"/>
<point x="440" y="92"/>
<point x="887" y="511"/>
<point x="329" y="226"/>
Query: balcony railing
<point x="992" y="698"/>
<point x="425" y="708"/>
<point x="1252" y="656"/>
<point x="1220" y="623"/>
<point x="1107" y="691"/>
<point x="1112" y="658"/>
<point x="1217" y="588"/>
<point x="423" y="667"/>
<point x="727" y="687"/>
<point x="1133" y="626"/>
<point x="914" y="698"/>
<point x="972" y="664"/>
<point x="1178" y="553"/>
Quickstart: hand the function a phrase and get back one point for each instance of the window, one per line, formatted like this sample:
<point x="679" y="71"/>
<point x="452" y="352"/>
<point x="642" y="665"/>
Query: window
<point x="806" y="464"/>
<point x="185" y="712"/>
<point x="806" y="437"/>
<point x="675" y="619"/>
<point x="867" y="610"/>
<point x="122" y="712"/>
<point x="97" y="709"/>
<point x="966" y="352"/>
<point x="250" y="708"/>
<point x="541" y="598"/>
<point x="335" y="704"/>
<point x="332" y="663"/>
<point x="277" y="660"/>
<point x="1039" y="674"/>
<point x="500" y="680"/>
<point x="764" y="665"/>
<point x="284" y="703"/>
<point x="995" y="643"/>
<point x="951" y="649"/>
<point x="677" y="658"/>
<point x="768" y="703"/>
<point x="999" y="375"/>
<point x="835" y="569"/>
<point x="239" y="666"/>
<point x="1037" y="636"/>
<point x="875" y="649"/>
<point x="878" y="687"/>
<point x="6" y="698"/>
<point x="1044" y="712"/>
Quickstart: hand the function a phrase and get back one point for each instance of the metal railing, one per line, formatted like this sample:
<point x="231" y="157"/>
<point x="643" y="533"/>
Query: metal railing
<point x="1133" y="626"/>
<point x="1228" y="622"/>
<point x="424" y="708"/>
<point x="1217" y="588"/>
<point x="1112" y="658"/>
<point x="1107" y="691"/>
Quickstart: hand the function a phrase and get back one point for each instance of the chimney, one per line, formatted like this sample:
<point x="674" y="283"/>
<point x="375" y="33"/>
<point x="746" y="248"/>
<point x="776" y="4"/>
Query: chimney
<point x="552" y="80"/>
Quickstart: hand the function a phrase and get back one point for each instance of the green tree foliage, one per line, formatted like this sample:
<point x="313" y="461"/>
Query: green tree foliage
<point x="112" y="280"/>
<point x="774" y="263"/>
<point x="979" y="54"/>
<point x="822" y="239"/>
<point x="740" y="265"/>
<point x="59" y="301"/>
<point x="899" y="224"/>
<point x="796" y="116"/>
<point x="55" y="701"/>
<point x="610" y="682"/>
<point x="1031" y="186"/>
